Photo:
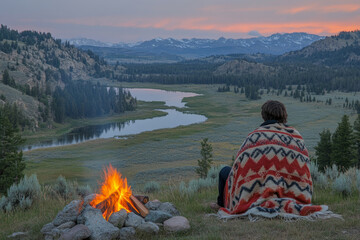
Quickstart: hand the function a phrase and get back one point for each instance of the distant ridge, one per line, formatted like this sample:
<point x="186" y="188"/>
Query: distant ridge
<point x="178" y="49"/>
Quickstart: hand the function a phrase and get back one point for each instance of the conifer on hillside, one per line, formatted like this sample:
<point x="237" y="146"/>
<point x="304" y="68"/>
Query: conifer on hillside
<point x="323" y="150"/>
<point x="12" y="163"/>
<point x="343" y="153"/>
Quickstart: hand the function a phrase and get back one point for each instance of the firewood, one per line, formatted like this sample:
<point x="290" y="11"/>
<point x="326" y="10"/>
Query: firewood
<point x="142" y="198"/>
<point x="141" y="207"/>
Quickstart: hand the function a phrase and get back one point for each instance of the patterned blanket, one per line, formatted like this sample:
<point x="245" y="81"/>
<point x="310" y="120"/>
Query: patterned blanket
<point x="271" y="177"/>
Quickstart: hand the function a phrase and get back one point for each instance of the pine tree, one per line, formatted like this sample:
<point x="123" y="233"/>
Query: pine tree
<point x="6" y="77"/>
<point x="206" y="158"/>
<point x="343" y="153"/>
<point x="11" y="161"/>
<point x="323" y="150"/>
<point x="357" y="138"/>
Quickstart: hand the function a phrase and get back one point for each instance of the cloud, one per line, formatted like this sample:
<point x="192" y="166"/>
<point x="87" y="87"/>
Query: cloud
<point x="254" y="33"/>
<point x="317" y="8"/>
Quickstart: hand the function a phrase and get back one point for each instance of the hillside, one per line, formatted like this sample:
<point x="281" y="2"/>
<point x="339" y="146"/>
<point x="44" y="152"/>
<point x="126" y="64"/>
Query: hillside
<point x="34" y="64"/>
<point x="338" y="50"/>
<point x="240" y="67"/>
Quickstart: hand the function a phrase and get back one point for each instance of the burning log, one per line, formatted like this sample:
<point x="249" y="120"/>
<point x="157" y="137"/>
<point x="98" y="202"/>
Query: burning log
<point x="107" y="206"/>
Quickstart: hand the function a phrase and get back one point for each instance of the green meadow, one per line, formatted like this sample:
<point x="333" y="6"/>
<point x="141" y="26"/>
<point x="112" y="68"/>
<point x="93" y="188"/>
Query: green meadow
<point x="171" y="154"/>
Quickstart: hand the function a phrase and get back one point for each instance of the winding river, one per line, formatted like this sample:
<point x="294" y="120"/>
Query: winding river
<point x="173" y="119"/>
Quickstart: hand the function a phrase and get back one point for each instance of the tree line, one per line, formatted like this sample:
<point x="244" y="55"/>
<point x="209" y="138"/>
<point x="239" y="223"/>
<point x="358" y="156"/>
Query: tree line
<point x="341" y="147"/>
<point x="82" y="99"/>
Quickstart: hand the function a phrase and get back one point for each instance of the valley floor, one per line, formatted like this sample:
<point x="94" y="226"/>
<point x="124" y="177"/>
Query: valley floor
<point x="170" y="156"/>
<point x="172" y="153"/>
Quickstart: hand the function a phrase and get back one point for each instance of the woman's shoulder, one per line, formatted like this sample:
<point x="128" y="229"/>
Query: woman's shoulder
<point x="279" y="128"/>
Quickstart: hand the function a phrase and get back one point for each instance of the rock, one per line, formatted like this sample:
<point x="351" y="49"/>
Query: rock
<point x="89" y="198"/>
<point x="78" y="232"/>
<point x="69" y="213"/>
<point x="66" y="225"/>
<point x="127" y="233"/>
<point x="153" y="205"/>
<point x="48" y="237"/>
<point x="118" y="218"/>
<point x="148" y="227"/>
<point x="18" y="235"/>
<point x="133" y="220"/>
<point x="176" y="224"/>
<point x="157" y="216"/>
<point x="169" y="208"/>
<point x="100" y="228"/>
<point x="55" y="233"/>
<point x="47" y="228"/>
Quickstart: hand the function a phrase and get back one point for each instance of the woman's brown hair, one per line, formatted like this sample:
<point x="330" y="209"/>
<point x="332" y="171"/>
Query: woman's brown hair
<point x="274" y="110"/>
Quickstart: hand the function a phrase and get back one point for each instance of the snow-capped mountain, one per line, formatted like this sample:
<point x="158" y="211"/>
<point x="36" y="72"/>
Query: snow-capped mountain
<point x="275" y="44"/>
<point x="88" y="42"/>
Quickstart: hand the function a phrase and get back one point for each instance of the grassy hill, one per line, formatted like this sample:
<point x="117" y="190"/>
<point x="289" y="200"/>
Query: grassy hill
<point x="37" y="64"/>
<point x="339" y="50"/>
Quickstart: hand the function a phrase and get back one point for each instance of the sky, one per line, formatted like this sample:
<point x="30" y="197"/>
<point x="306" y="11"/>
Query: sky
<point x="138" y="20"/>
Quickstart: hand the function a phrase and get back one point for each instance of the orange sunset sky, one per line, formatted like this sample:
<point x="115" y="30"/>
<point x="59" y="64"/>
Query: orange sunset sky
<point x="137" y="20"/>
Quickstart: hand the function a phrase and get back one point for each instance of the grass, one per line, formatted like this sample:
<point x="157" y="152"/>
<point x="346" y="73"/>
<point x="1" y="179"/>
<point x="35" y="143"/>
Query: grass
<point x="196" y="209"/>
<point x="168" y="153"/>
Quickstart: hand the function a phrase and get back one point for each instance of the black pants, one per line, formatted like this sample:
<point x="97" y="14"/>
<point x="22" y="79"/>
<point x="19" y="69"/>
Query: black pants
<point x="223" y="175"/>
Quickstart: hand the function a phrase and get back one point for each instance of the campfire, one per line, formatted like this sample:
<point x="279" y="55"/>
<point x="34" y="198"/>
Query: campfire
<point x="115" y="194"/>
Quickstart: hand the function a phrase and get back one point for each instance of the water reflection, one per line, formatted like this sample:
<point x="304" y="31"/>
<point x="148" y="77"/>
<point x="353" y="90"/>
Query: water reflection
<point x="173" y="119"/>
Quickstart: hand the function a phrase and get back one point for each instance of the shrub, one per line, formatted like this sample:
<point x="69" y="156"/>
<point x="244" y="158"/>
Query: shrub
<point x="21" y="195"/>
<point x="196" y="185"/>
<point x="62" y="188"/>
<point x="214" y="172"/>
<point x="332" y="172"/>
<point x="314" y="170"/>
<point x="83" y="191"/>
<point x="151" y="187"/>
<point x="342" y="184"/>
<point x="322" y="181"/>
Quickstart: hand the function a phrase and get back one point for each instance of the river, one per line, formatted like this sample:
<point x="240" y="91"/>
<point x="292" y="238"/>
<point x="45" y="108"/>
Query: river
<point x="173" y="119"/>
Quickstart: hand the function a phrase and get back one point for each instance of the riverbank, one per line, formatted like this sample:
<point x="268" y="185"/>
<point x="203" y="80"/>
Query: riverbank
<point x="172" y="153"/>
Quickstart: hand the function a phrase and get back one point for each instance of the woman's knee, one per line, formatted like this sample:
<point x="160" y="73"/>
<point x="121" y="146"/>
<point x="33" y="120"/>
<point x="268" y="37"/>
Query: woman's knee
<point x="224" y="172"/>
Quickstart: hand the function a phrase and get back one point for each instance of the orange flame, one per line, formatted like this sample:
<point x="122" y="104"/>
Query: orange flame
<point x="114" y="194"/>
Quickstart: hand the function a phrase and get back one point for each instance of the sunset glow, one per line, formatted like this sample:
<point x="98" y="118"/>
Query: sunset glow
<point x="130" y="21"/>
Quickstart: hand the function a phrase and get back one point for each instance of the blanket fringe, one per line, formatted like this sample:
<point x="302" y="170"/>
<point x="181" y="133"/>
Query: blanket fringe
<point x="254" y="215"/>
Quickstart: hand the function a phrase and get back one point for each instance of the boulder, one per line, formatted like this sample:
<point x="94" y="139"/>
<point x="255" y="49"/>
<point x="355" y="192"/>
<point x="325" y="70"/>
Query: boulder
<point x="100" y="228"/>
<point x="47" y="228"/>
<point x="66" y="225"/>
<point x="153" y="205"/>
<point x="176" y="224"/>
<point x="148" y="227"/>
<point x="133" y="220"/>
<point x="127" y="233"/>
<point x="169" y="208"/>
<point x="118" y="218"/>
<point x="78" y="232"/>
<point x="69" y="213"/>
<point x="157" y="216"/>
<point x="89" y="198"/>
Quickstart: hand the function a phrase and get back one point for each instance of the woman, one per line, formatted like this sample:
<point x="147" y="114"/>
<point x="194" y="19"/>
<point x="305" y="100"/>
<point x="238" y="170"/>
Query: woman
<point x="270" y="175"/>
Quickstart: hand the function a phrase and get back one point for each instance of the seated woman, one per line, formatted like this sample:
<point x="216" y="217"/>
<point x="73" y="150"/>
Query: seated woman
<point x="270" y="176"/>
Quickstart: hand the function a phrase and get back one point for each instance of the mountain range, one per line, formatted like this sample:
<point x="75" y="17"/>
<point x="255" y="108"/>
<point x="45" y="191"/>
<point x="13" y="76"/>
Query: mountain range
<point x="173" y="50"/>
